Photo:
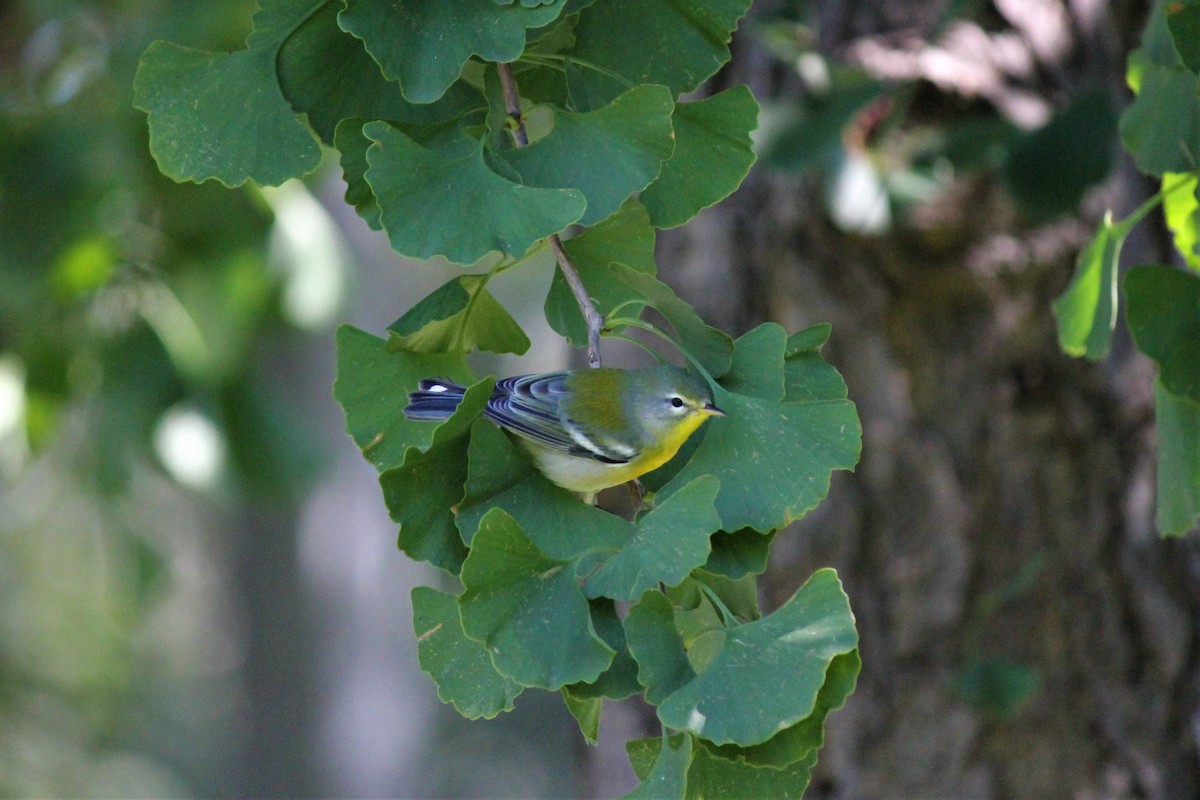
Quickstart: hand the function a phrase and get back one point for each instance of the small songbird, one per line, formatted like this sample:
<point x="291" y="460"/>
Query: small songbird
<point x="587" y="429"/>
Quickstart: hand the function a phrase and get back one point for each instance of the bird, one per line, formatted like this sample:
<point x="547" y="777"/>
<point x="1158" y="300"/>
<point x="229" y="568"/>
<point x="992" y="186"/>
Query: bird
<point x="587" y="429"/>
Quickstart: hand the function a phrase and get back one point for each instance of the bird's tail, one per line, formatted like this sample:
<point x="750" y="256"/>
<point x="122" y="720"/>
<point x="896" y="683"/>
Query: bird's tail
<point x="434" y="399"/>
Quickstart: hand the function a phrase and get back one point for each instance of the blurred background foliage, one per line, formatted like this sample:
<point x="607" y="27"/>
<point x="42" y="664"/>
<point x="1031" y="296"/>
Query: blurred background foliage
<point x="894" y="122"/>
<point x="135" y="411"/>
<point x="193" y="599"/>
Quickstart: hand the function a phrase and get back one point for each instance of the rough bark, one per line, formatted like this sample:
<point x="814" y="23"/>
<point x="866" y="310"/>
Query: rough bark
<point x="1003" y="507"/>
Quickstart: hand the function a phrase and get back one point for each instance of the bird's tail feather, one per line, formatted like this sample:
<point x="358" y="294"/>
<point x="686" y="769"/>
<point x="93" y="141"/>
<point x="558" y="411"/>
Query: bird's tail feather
<point x="434" y="399"/>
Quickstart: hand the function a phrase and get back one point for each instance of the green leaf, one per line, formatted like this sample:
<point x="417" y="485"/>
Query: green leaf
<point x="620" y="679"/>
<point x="808" y="340"/>
<point x="739" y="595"/>
<point x="221" y="116"/>
<point x="1087" y="310"/>
<point x="806" y="375"/>
<point x="501" y="476"/>
<point x="1178" y="421"/>
<point x="658" y="647"/>
<point x="1157" y="43"/>
<point x="740" y="553"/>
<point x="1161" y="128"/>
<point x="423" y="45"/>
<point x="667" y="779"/>
<point x="460" y="667"/>
<point x="326" y="74"/>
<point x="668" y="543"/>
<point x="709" y="346"/>
<point x="700" y="624"/>
<point x="679" y="43"/>
<point x="528" y="610"/>
<point x="626" y="237"/>
<point x="587" y="712"/>
<point x="713" y="778"/>
<point x="1183" y="20"/>
<point x="350" y="142"/>
<point x="710" y="777"/>
<point x="800" y="742"/>
<point x="439" y="323"/>
<point x="774" y="459"/>
<point x="443" y="199"/>
<point x="712" y="156"/>
<point x="372" y="387"/>
<point x="1164" y="318"/>
<point x="423" y="492"/>
<point x="756" y="368"/>
<point x="606" y="154"/>
<point x="768" y="673"/>
<point x="1050" y="169"/>
<point x="1181" y="208"/>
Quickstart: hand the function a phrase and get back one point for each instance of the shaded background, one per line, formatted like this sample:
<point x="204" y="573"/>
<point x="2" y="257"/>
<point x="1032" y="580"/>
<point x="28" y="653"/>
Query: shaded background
<point x="199" y="588"/>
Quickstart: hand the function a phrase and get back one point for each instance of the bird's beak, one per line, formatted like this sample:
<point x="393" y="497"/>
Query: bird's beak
<point x="714" y="411"/>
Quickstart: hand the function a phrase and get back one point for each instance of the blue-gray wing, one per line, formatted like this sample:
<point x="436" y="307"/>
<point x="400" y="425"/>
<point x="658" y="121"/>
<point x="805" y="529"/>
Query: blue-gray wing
<point x="528" y="405"/>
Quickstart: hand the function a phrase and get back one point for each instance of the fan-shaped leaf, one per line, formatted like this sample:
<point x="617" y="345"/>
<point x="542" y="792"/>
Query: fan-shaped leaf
<point x="423" y="45"/>
<point x="459" y="666"/>
<point x="768" y="673"/>
<point x="712" y="156"/>
<point x="443" y="199"/>
<point x="527" y="609"/>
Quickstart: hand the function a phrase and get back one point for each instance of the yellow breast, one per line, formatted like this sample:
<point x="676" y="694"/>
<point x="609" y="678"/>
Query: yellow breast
<point x="589" y="475"/>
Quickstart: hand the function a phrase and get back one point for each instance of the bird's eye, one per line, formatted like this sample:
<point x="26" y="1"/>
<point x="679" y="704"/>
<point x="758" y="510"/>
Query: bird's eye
<point x="677" y="402"/>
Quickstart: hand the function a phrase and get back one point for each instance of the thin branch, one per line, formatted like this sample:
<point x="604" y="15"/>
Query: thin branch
<point x="512" y="106"/>
<point x="590" y="315"/>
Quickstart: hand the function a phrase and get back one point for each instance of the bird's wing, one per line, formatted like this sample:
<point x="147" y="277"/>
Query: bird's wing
<point x="529" y="406"/>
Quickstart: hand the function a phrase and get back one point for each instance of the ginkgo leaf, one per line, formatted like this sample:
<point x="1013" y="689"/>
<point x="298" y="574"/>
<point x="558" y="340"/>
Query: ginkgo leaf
<point x="768" y="673"/>
<point x="667" y="778"/>
<point x="606" y="154"/>
<point x="1178" y="421"/>
<point x="460" y="667"/>
<point x="221" y="116"/>
<point x="352" y="145"/>
<point x="423" y="46"/>
<point x="667" y="544"/>
<point x="1164" y="318"/>
<point x="1161" y="127"/>
<point x="1087" y="310"/>
<point x="710" y="777"/>
<point x="658" y="647"/>
<point x="326" y="75"/>
<point x="441" y="198"/>
<point x="712" y="156"/>
<point x="774" y="459"/>
<point x="527" y="609"/>
<point x="459" y="315"/>
<point x="802" y="740"/>
<point x="425" y="490"/>
<point x="679" y="43"/>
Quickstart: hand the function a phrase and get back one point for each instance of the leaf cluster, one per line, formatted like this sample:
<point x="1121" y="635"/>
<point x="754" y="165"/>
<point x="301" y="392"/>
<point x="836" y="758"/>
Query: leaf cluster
<point x="1161" y="129"/>
<point x="543" y="575"/>
<point x="553" y="593"/>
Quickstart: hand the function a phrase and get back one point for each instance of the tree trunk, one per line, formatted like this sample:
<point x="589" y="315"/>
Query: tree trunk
<point x="1025" y="633"/>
